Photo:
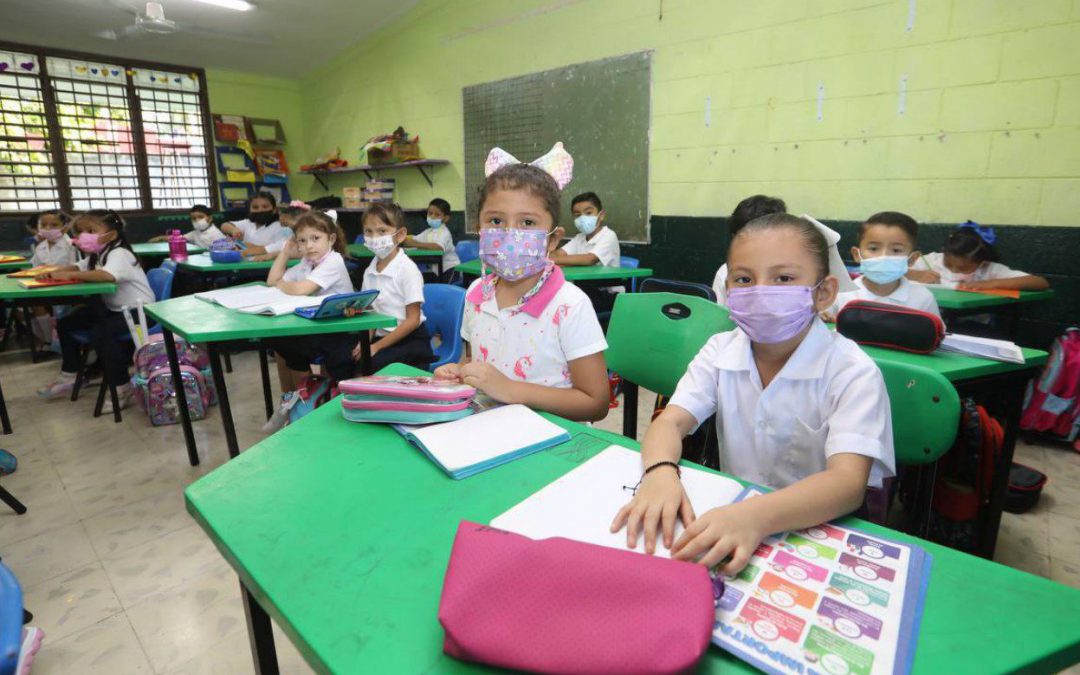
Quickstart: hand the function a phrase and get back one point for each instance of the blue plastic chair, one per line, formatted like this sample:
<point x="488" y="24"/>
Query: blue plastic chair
<point x="443" y="307"/>
<point x="468" y="249"/>
<point x="632" y="263"/>
<point x="168" y="264"/>
<point x="11" y="620"/>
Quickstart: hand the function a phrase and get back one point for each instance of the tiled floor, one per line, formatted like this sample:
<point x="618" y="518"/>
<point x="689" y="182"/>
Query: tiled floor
<point x="123" y="581"/>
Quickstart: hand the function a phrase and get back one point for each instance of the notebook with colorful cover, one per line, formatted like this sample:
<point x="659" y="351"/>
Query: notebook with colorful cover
<point x="34" y="271"/>
<point x="46" y="283"/>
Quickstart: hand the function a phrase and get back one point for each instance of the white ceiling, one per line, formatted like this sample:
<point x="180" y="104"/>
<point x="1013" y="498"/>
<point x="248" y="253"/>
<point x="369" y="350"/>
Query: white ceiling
<point x="278" y="37"/>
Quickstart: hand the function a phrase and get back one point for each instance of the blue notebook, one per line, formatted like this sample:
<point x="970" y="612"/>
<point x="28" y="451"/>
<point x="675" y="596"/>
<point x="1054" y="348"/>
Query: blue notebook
<point x="479" y="442"/>
<point x="334" y="306"/>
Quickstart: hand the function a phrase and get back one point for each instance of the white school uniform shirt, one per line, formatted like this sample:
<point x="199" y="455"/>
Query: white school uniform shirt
<point x="442" y="237"/>
<point x="605" y="246"/>
<point x="535" y="341"/>
<point x="935" y="262"/>
<point x="907" y="294"/>
<point x="400" y="284"/>
<point x="131" y="284"/>
<point x="262" y="236"/>
<point x="829" y="398"/>
<point x="331" y="274"/>
<point x="206" y="237"/>
<point x="276" y="246"/>
<point x="719" y="284"/>
<point x="62" y="252"/>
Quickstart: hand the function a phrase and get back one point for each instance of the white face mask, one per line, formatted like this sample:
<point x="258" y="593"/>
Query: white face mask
<point x="202" y="224"/>
<point x="381" y="246"/>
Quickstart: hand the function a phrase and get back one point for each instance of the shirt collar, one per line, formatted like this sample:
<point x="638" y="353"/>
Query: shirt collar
<point x="807" y="362"/>
<point x="535" y="305"/>
<point x="373" y="266"/>
<point x="900" y="294"/>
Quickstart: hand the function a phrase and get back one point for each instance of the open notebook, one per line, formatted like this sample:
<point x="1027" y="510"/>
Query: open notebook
<point x="485" y="440"/>
<point x="259" y="299"/>
<point x="997" y="350"/>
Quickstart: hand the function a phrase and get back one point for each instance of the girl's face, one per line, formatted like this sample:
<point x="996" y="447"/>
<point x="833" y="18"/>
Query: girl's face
<point x="50" y="221"/>
<point x="313" y="243"/>
<point x="377" y="227"/>
<point x="959" y="265"/>
<point x="94" y="226"/>
<point x="260" y="205"/>
<point x="518" y="209"/>
<point x="778" y="257"/>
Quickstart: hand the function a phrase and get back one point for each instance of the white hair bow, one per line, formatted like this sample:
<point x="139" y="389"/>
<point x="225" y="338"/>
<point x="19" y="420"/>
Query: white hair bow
<point x="557" y="163"/>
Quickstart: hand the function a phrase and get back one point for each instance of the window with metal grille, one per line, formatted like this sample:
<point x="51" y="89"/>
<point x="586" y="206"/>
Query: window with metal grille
<point x="84" y="133"/>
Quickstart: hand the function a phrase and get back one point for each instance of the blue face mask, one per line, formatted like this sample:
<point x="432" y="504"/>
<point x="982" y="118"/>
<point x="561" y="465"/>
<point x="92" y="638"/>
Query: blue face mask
<point x="884" y="269"/>
<point x="586" y="224"/>
<point x="434" y="222"/>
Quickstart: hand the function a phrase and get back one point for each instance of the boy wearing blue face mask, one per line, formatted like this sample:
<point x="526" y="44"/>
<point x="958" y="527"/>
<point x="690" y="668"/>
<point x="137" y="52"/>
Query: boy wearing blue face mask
<point x="594" y="244"/>
<point x="886" y="249"/>
<point x="437" y="237"/>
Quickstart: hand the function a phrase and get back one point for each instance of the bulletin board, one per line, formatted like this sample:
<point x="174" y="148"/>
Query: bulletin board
<point x="600" y="110"/>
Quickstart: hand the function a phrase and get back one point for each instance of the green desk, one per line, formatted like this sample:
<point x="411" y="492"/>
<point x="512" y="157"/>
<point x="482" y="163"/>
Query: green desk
<point x="160" y="249"/>
<point x="342" y="532"/>
<point x="13" y="266"/>
<point x="420" y="255"/>
<point x="202" y="263"/>
<point x="198" y="321"/>
<point x="575" y="272"/>
<point x="955" y="303"/>
<point x="12" y="294"/>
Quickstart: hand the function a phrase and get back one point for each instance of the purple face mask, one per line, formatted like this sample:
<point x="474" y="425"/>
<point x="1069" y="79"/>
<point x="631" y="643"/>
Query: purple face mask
<point x="514" y="253"/>
<point x="770" y="314"/>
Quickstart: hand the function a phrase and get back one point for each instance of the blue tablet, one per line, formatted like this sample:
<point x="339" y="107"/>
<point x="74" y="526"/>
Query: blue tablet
<point x="335" y="306"/>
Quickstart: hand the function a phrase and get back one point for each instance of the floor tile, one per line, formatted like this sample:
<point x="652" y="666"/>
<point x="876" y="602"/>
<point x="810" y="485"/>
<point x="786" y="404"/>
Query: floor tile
<point x="160" y="565"/>
<point x="1064" y="537"/>
<point x="1064" y="572"/>
<point x="122" y="528"/>
<point x="1022" y="559"/>
<point x="106" y="648"/>
<point x="48" y="507"/>
<point x="49" y="554"/>
<point x="1029" y="530"/>
<point x="71" y="602"/>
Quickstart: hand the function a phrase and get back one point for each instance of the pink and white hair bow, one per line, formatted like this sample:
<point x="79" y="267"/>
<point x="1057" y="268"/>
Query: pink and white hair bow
<point x="297" y="204"/>
<point x="557" y="163"/>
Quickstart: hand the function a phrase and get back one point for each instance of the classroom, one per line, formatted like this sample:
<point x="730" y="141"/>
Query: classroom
<point x="560" y="336"/>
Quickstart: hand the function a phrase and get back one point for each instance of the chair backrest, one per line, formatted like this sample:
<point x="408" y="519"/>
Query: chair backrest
<point x="652" y="337"/>
<point x="443" y="307"/>
<point x="11" y="620"/>
<point x="655" y="285"/>
<point x="160" y="279"/>
<point x="168" y="264"/>
<point x="467" y="249"/>
<point x="925" y="411"/>
<point x="632" y="263"/>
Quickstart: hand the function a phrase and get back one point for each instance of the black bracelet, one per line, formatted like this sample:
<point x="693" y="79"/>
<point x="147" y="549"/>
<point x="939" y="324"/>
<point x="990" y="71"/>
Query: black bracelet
<point x="634" y="488"/>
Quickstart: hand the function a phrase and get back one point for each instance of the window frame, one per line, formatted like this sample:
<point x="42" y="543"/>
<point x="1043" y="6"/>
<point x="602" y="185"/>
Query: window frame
<point x="142" y="164"/>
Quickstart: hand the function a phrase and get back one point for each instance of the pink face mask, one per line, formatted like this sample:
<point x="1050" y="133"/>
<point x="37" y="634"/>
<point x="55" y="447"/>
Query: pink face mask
<point x="90" y="243"/>
<point x="770" y="314"/>
<point x="50" y="234"/>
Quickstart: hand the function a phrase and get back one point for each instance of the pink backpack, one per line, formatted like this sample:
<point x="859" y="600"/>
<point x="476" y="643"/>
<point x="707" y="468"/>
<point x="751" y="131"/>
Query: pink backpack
<point x="1052" y="404"/>
<point x="153" y="381"/>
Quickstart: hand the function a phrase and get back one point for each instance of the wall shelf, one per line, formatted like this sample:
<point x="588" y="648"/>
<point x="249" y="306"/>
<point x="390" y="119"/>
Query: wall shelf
<point x="370" y="169"/>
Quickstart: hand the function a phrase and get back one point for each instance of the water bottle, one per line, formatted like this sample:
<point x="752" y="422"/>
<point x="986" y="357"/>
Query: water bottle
<point x="177" y="246"/>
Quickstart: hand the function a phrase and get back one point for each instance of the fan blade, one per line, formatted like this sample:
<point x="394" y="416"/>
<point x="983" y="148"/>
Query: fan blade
<point x="119" y="34"/>
<point x="194" y="29"/>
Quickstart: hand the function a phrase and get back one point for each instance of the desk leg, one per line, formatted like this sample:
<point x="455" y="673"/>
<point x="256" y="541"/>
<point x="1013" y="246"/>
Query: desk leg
<point x="4" y="419"/>
<point x="1013" y="321"/>
<point x="260" y="634"/>
<point x="181" y="396"/>
<point x="365" y="352"/>
<point x="223" y="401"/>
<point x="919" y="517"/>
<point x="1013" y="397"/>
<point x="630" y="405"/>
<point x="264" y="370"/>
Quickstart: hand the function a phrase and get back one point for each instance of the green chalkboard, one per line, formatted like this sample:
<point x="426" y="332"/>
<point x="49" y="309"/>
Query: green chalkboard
<point x="599" y="110"/>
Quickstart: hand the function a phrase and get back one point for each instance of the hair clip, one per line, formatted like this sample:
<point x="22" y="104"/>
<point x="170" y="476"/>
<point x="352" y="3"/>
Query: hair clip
<point x="985" y="232"/>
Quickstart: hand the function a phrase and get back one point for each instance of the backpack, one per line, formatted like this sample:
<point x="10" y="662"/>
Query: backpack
<point x="1052" y="403"/>
<point x="155" y="390"/>
<point x="313" y="392"/>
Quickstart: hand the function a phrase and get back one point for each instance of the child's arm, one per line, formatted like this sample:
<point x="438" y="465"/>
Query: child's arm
<point x="73" y="272"/>
<point x="250" y="251"/>
<point x="232" y="230"/>
<point x="1029" y="282"/>
<point x="276" y="277"/>
<point x="413" y="242"/>
<point x="452" y="371"/>
<point x="924" y="274"/>
<point x="403" y="330"/>
<point x="561" y="257"/>
<point x="585" y="400"/>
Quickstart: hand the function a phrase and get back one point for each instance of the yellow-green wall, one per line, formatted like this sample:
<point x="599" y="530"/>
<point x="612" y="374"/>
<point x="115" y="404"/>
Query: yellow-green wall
<point x="990" y="130"/>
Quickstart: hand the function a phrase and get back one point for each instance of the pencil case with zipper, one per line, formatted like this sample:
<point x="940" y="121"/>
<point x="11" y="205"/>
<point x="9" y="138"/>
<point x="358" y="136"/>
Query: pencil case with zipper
<point x="890" y="326"/>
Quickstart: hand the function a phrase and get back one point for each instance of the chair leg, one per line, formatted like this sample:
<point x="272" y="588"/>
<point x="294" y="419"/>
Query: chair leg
<point x="228" y="362"/>
<point x="115" y="403"/>
<point x="100" y="398"/>
<point x="9" y="499"/>
<point x="83" y="357"/>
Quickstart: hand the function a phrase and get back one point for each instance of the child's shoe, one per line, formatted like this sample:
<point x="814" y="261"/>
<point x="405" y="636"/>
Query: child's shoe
<point x="31" y="643"/>
<point x="281" y="416"/>
<point x="124" y="394"/>
<point x="58" y="388"/>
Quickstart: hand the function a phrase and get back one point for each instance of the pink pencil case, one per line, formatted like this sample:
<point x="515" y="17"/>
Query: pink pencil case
<point x="403" y="405"/>
<point x="417" y="388"/>
<point x="562" y="606"/>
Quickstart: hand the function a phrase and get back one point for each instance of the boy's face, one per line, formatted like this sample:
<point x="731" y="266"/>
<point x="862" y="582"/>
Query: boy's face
<point x="377" y="227"/>
<point x="587" y="209"/>
<point x="878" y="240"/>
<point x="435" y="213"/>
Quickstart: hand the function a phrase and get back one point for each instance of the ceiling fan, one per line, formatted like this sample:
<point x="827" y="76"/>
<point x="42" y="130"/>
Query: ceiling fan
<point x="152" y="21"/>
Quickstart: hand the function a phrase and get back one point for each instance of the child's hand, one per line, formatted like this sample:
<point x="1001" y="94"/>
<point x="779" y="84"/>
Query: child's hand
<point x="976" y="285"/>
<point x="60" y="275"/>
<point x="924" y="276"/>
<point x="261" y="258"/>
<point x="356" y="351"/>
<point x="827" y="316"/>
<point x="659" y="500"/>
<point x="450" y="371"/>
<point x="291" y="249"/>
<point x="489" y="380"/>
<point x="720" y="533"/>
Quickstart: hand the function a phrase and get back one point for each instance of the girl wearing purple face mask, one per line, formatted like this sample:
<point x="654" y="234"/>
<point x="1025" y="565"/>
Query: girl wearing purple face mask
<point x="109" y="259"/>
<point x="531" y="337"/>
<point x="798" y="408"/>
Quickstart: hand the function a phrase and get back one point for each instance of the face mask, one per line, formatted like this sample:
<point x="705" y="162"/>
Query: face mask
<point x="381" y="246"/>
<point x="90" y="243"/>
<point x="202" y="225"/>
<point x="514" y="254"/>
<point x="884" y="269"/>
<point x="50" y="234"/>
<point x="770" y="314"/>
<point x="262" y="218"/>
<point x="586" y="224"/>
<point x="434" y="222"/>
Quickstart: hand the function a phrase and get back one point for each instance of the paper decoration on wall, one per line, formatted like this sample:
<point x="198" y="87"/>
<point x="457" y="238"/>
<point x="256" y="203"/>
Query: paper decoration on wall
<point x="901" y="106"/>
<point x="820" y="100"/>
<point x="85" y="70"/>
<point x="910" y="15"/>
<point x="18" y="63"/>
<point x="160" y="79"/>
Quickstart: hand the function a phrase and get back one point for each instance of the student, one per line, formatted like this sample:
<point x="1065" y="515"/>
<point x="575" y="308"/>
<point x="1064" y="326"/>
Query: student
<point x="110" y="260"/>
<point x="401" y="291"/>
<point x="594" y="244"/>
<point x="288" y="215"/>
<point x="437" y="237"/>
<point x="321" y="243"/>
<point x="886" y="247"/>
<point x="745" y="211"/>
<point x="53" y="247"/>
<point x="798" y="407"/>
<point x="203" y="231"/>
<point x="261" y="227"/>
<point x="970" y="261"/>
<point x="532" y="338"/>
